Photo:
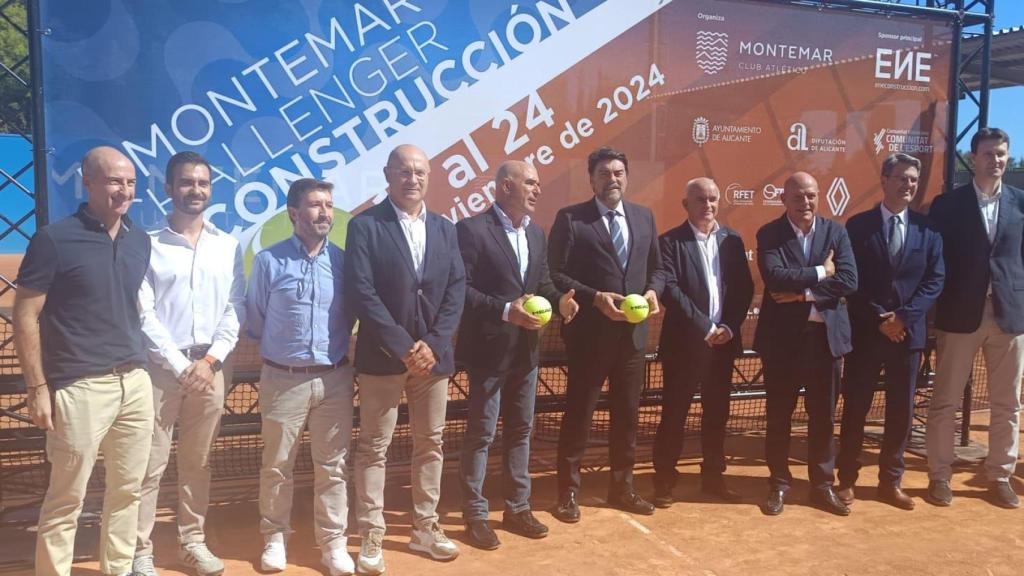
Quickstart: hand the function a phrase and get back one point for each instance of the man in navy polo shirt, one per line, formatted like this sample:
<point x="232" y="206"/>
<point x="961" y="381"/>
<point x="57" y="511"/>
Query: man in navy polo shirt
<point x="79" y="341"/>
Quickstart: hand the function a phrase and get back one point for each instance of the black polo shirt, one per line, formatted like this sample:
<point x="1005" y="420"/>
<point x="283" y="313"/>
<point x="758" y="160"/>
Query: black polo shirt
<point x="90" y="321"/>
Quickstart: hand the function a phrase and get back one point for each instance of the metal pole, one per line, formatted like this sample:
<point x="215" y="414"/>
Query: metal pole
<point x="952" y="128"/>
<point x="39" y="149"/>
<point x="986" y="66"/>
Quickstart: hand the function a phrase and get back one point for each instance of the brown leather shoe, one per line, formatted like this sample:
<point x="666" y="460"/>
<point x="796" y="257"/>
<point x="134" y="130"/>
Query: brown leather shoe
<point x="894" y="495"/>
<point x="845" y="494"/>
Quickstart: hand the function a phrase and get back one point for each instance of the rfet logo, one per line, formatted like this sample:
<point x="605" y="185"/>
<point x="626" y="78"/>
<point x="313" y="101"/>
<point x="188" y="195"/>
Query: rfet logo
<point x="712" y="51"/>
<point x="838" y="196"/>
<point x="736" y="194"/>
<point x="905" y="65"/>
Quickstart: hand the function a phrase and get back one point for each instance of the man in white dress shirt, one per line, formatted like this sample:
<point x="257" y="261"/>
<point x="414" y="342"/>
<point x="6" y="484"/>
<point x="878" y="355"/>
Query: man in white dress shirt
<point x="192" y="303"/>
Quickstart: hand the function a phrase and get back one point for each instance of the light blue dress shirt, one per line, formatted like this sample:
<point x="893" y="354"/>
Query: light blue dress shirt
<point x="295" y="305"/>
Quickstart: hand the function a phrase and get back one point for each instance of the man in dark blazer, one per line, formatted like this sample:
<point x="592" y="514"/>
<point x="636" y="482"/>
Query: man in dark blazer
<point x="405" y="276"/>
<point x="505" y="255"/>
<point x="981" y="306"/>
<point x="707" y="291"/>
<point x="802" y="333"/>
<point x="900" y="272"/>
<point x="604" y="249"/>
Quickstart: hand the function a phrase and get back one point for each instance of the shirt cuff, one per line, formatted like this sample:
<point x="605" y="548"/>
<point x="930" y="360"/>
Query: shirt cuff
<point x="711" y="332"/>
<point x="727" y="329"/>
<point x="821" y="272"/>
<point x="178" y="362"/>
<point x="504" y="313"/>
<point x="219" y="350"/>
<point x="808" y="295"/>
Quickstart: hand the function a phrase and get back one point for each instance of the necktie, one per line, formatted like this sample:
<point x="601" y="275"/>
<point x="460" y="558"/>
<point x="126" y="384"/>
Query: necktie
<point x="895" y="239"/>
<point x="617" y="240"/>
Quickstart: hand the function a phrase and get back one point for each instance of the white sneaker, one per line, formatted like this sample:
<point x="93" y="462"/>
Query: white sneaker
<point x="371" y="553"/>
<point x="198" y="557"/>
<point x="338" y="561"/>
<point x="433" y="541"/>
<point x="144" y="565"/>
<point x="274" y="558"/>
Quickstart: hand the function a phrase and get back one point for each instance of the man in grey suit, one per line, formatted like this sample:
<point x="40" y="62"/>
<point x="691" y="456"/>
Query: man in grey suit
<point x="981" y="306"/>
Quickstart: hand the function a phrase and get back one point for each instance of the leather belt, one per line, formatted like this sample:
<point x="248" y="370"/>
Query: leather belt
<point x="124" y="368"/>
<point x="315" y="369"/>
<point x="197" y="352"/>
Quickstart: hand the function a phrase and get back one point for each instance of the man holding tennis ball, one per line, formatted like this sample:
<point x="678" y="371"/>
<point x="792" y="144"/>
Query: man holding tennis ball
<point x="505" y="256"/>
<point x="603" y="249"/>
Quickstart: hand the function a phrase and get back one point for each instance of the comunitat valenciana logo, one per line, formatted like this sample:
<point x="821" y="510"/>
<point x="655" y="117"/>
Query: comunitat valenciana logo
<point x="901" y="140"/>
<point x="838" y="196"/>
<point x="712" y="51"/>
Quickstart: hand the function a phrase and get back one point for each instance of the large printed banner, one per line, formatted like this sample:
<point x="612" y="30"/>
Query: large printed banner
<point x="745" y="92"/>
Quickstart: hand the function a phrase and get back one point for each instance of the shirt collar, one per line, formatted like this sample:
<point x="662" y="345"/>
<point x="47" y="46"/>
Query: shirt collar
<point x="402" y="215"/>
<point x="984" y="198"/>
<point x="886" y="214"/>
<point x="208" y="228"/>
<point x="798" y="231"/>
<point x="702" y="236"/>
<point x="301" y="248"/>
<point x="92" y="223"/>
<point x="506" y="222"/>
<point x="604" y="209"/>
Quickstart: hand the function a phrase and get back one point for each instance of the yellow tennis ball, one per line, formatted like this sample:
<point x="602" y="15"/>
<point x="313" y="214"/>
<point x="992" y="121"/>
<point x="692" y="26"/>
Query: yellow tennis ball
<point x="635" y="307"/>
<point x="539" y="307"/>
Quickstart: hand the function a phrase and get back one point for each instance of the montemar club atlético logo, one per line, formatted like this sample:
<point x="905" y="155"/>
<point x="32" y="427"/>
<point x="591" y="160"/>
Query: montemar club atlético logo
<point x="712" y="51"/>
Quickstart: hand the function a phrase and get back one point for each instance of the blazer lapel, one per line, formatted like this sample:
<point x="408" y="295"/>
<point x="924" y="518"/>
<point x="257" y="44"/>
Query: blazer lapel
<point x="818" y="241"/>
<point x="633" y="250"/>
<point x="1005" y="219"/>
<point x="536" y="253"/>
<point x="912" y="240"/>
<point x="601" y="229"/>
<point x="792" y="243"/>
<point x="498" y="231"/>
<point x="394" y="229"/>
<point x="433" y="242"/>
<point x="697" y="262"/>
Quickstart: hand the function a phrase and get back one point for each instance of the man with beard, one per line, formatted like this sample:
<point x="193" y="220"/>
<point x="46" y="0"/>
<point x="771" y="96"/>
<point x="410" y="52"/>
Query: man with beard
<point x="191" y="304"/>
<point x="408" y="285"/>
<point x="295" y="308"/>
<point x="604" y="249"/>
<point x="79" y="341"/>
<point x="506" y="263"/>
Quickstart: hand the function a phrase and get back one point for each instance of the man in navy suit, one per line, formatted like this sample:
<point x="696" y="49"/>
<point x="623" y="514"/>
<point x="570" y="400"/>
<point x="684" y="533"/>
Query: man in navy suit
<point x="899" y="264"/>
<point x="505" y="255"/>
<point x="604" y="249"/>
<point x="802" y="334"/>
<point x="707" y="292"/>
<point x="981" y="306"/>
<point x="406" y="278"/>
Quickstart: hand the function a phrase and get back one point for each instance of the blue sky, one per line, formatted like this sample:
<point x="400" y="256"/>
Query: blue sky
<point x="1004" y="103"/>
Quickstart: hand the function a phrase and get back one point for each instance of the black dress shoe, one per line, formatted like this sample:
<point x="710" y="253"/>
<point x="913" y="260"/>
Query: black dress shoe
<point x="826" y="499"/>
<point x="524" y="524"/>
<point x="719" y="490"/>
<point x="567" y="510"/>
<point x="631" y="502"/>
<point x="480" y="535"/>
<point x="662" y="499"/>
<point x="774" y="504"/>
<point x="1002" y="495"/>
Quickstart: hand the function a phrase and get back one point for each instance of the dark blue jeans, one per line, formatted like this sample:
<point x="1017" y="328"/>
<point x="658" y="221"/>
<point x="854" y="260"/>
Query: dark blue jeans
<point x="512" y="396"/>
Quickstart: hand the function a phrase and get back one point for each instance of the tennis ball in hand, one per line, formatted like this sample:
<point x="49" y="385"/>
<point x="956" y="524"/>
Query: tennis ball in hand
<point x="539" y="307"/>
<point x="635" y="307"/>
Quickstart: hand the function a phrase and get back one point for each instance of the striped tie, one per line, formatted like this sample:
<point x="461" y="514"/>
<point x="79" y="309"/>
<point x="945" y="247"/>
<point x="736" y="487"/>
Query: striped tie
<point x="617" y="240"/>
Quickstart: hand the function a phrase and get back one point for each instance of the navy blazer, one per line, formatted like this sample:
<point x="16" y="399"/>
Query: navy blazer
<point x="909" y="288"/>
<point x="972" y="261"/>
<point x="394" y="308"/>
<point x="486" y="342"/>
<point x="685" y="297"/>
<point x="784" y="269"/>
<point x="581" y="256"/>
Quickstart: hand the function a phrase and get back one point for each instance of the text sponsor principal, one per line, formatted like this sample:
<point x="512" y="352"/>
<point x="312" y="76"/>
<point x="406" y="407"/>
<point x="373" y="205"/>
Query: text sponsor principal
<point x="704" y="131"/>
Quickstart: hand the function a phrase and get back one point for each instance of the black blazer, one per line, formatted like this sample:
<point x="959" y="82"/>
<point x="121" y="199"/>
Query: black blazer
<point x="784" y="269"/>
<point x="909" y="289"/>
<point x="581" y="256"/>
<point x="393" y="307"/>
<point x="972" y="262"/>
<point x="685" y="294"/>
<point x="487" y="342"/>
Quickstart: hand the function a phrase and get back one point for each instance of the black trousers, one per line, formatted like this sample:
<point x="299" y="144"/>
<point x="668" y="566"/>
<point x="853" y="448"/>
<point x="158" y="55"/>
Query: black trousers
<point x="805" y="362"/>
<point x="862" y="368"/>
<point x="590" y="363"/>
<point x="710" y="369"/>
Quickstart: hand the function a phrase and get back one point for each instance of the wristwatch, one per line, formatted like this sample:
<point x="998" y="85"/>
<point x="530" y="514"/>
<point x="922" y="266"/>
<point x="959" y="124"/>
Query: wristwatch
<point x="215" y="364"/>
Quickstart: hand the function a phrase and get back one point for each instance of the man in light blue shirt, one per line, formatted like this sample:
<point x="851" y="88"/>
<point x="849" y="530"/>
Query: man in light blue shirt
<point x="295" y="308"/>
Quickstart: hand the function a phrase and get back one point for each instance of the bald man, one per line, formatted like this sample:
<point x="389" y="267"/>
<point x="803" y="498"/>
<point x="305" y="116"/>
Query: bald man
<point x="708" y="289"/>
<point x="80" y="344"/>
<point x="505" y="255"/>
<point x="408" y="286"/>
<point x="803" y="331"/>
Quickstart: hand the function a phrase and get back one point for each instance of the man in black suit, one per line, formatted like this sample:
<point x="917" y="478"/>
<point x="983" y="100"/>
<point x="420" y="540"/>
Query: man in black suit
<point x="900" y="271"/>
<point x="981" y="306"/>
<point x="707" y="291"/>
<point x="405" y="276"/>
<point x="603" y="249"/>
<point x="802" y="334"/>
<point x="505" y="255"/>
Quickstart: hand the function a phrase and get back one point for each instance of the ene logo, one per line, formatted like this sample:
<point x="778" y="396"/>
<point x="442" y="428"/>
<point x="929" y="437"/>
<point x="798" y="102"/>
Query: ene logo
<point x="903" y="65"/>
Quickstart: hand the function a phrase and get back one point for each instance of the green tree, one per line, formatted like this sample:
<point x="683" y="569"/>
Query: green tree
<point x="15" y="108"/>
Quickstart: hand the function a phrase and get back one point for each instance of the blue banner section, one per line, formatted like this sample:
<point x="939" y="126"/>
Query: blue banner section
<point x="15" y="202"/>
<point x="268" y="90"/>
